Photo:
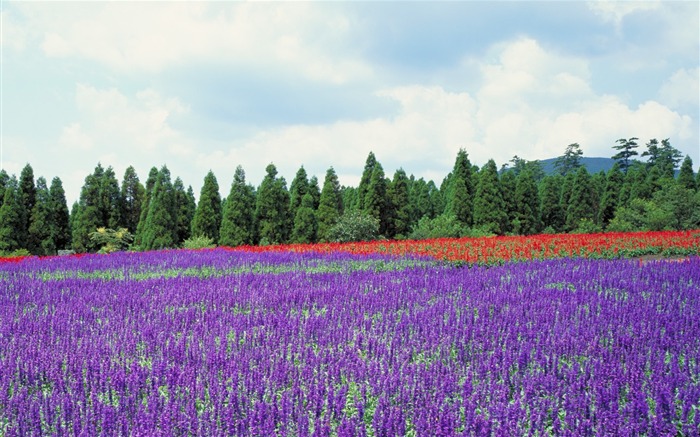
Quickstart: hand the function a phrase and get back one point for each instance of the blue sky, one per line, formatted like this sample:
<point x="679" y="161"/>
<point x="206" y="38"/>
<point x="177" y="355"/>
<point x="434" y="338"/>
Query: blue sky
<point x="213" y="85"/>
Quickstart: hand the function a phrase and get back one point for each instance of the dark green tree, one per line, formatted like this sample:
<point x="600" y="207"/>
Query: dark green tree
<point x="272" y="208"/>
<point x="354" y="226"/>
<point x="375" y="203"/>
<point x="11" y="217"/>
<point x="330" y="207"/>
<point x="363" y="187"/>
<point x="238" y="221"/>
<point x="160" y="229"/>
<point x="60" y="218"/>
<point x="508" y="184"/>
<point x="148" y="190"/>
<point x="552" y="213"/>
<point x="207" y="217"/>
<point x="110" y="201"/>
<point x="89" y="215"/>
<point x="421" y="198"/>
<point x="40" y="221"/>
<point x="400" y="206"/>
<point x="611" y="195"/>
<point x="570" y="161"/>
<point x="132" y="197"/>
<point x="680" y="203"/>
<point x="636" y="185"/>
<point x="489" y="209"/>
<point x="297" y="190"/>
<point x="315" y="191"/>
<point x="305" y="225"/>
<point x="664" y="157"/>
<point x="581" y="205"/>
<point x="625" y="148"/>
<point x="685" y="177"/>
<point x="27" y="196"/>
<point x="185" y="207"/>
<point x="4" y="178"/>
<point x="460" y="190"/>
<point x="527" y="205"/>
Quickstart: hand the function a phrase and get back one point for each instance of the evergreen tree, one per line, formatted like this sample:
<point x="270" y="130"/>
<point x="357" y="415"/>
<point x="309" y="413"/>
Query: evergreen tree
<point x="460" y="190"/>
<point x="400" y="209"/>
<point x="207" y="217"/>
<point x="566" y="189"/>
<point x="60" y="218"/>
<point x="664" y="157"/>
<point x="298" y="189"/>
<point x="349" y="198"/>
<point x="635" y="185"/>
<point x="685" y="176"/>
<point x="508" y="184"/>
<point x="238" y="221"/>
<point x="159" y="231"/>
<point x="330" y="207"/>
<point x="570" y="161"/>
<point x="148" y="190"/>
<point x="420" y="195"/>
<point x="305" y="225"/>
<point x="110" y="203"/>
<point x="11" y="217"/>
<point x="611" y="195"/>
<point x="581" y="205"/>
<point x="89" y="215"/>
<point x="363" y="187"/>
<point x="527" y="204"/>
<point x="626" y="151"/>
<point x="375" y="204"/>
<point x="185" y="207"/>
<point x="27" y="196"/>
<point x="132" y="197"/>
<point x="4" y="178"/>
<point x="40" y="222"/>
<point x="315" y="191"/>
<point x="489" y="209"/>
<point x="551" y="209"/>
<point x="272" y="208"/>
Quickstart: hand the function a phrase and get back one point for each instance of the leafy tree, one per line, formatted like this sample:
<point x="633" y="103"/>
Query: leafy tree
<point x="330" y="207"/>
<point x="679" y="202"/>
<point x="207" y="217"/>
<point x="305" y="225"/>
<point x="625" y="148"/>
<point x="570" y="161"/>
<point x="611" y="194"/>
<point x="60" y="218"/>
<point x="272" y="208"/>
<point x="400" y="207"/>
<point x="185" y="207"/>
<point x="297" y="190"/>
<point x="110" y="240"/>
<point x="40" y="238"/>
<point x="11" y="217"/>
<point x="159" y="231"/>
<point x="354" y="226"/>
<point x="527" y="205"/>
<point x="148" y="191"/>
<point x="640" y="215"/>
<point x="27" y="196"/>
<point x="238" y="221"/>
<point x="132" y="197"/>
<point x="460" y="190"/>
<point x="489" y="209"/>
<point x="442" y="226"/>
<point x="685" y="176"/>
<point x="581" y="204"/>
<point x="552" y="213"/>
<point x="363" y="187"/>
<point x="664" y="157"/>
<point x="375" y="203"/>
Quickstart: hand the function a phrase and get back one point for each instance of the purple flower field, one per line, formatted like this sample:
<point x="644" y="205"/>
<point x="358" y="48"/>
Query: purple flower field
<point x="231" y="343"/>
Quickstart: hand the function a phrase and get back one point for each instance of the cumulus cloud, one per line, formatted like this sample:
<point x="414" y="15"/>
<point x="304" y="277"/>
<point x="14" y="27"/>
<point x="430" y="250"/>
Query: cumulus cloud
<point x="681" y="89"/>
<point x="616" y="11"/>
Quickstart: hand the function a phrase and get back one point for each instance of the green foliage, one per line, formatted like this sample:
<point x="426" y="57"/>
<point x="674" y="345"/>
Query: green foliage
<point x="198" y="242"/>
<point x="330" y="205"/>
<point x="185" y="207"/>
<point x="611" y="195"/>
<point x="207" y="217"/>
<point x="354" y="226"/>
<point x="551" y="210"/>
<point x="363" y="187"/>
<point x="132" y="198"/>
<point x="375" y="201"/>
<point x="11" y="217"/>
<point x="663" y="157"/>
<point x="587" y="226"/>
<point x="110" y="240"/>
<point x="442" y="226"/>
<point x="641" y="214"/>
<point x="305" y="225"/>
<point x="527" y="205"/>
<point x="272" y="209"/>
<point x="297" y="190"/>
<point x="160" y="226"/>
<point x="27" y="199"/>
<point x="238" y="221"/>
<point x="582" y="203"/>
<point x="398" y="206"/>
<point x="626" y="151"/>
<point x="508" y="184"/>
<point x="489" y="209"/>
<point x="680" y="203"/>
<point x="41" y="221"/>
<point x="60" y="218"/>
<point x="685" y="176"/>
<point x="148" y="191"/>
<point x="570" y="161"/>
<point x="459" y="190"/>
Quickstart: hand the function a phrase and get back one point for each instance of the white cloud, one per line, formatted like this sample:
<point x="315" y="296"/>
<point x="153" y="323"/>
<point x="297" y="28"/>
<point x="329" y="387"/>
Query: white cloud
<point x="73" y="138"/>
<point x="616" y="11"/>
<point x="681" y="89"/>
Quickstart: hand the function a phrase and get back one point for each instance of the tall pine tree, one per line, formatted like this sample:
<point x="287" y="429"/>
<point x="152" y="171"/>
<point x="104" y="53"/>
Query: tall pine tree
<point x="132" y="197"/>
<point x="159" y="231"/>
<point x="207" y="217"/>
<point x="489" y="209"/>
<point x="272" y="208"/>
<point x="185" y="207"/>
<point x="27" y="196"/>
<point x="11" y="217"/>
<point x="60" y="218"/>
<point x="238" y="221"/>
<point x="581" y="204"/>
<point x="460" y="190"/>
<point x="527" y="204"/>
<point x="148" y="191"/>
<point x="626" y="151"/>
<point x="297" y="190"/>
<point x="400" y="206"/>
<point x="40" y="238"/>
<point x="611" y="195"/>
<point x="330" y="206"/>
<point x="375" y="204"/>
<point x="685" y="176"/>
<point x="552" y="213"/>
<point x="305" y="225"/>
<point x="363" y="187"/>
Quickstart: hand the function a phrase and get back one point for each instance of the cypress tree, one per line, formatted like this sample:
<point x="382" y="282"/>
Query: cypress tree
<point x="685" y="176"/>
<point x="330" y="206"/>
<point x="132" y="197"/>
<point x="527" y="204"/>
<point x="315" y="191"/>
<point x="11" y="217"/>
<point x="27" y="196"/>
<point x="581" y="205"/>
<point x="185" y="207"/>
<point x="299" y="188"/>
<point x="419" y="193"/>
<point x="363" y="187"/>
<point x="148" y="190"/>
<point x="60" y="218"/>
<point x="238" y="221"/>
<point x="375" y="204"/>
<point x="551" y="210"/>
<point x="272" y="208"/>
<point x="4" y="178"/>
<point x="508" y="184"/>
<point x="40" y="237"/>
<point x="305" y="225"/>
<point x="610" y="200"/>
<point x="110" y="203"/>
<point x="398" y="198"/>
<point x="460" y="190"/>
<point x="489" y="210"/>
<point x="207" y="217"/>
<point x="159" y="231"/>
<point x="89" y="216"/>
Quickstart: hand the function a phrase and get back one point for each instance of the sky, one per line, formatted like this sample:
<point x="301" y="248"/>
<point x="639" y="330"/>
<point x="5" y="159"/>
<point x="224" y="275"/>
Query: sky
<point x="201" y="86"/>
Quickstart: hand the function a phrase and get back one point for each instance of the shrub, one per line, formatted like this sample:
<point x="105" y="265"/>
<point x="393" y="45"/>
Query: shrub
<point x="354" y="226"/>
<point x="110" y="240"/>
<point x="199" y="242"/>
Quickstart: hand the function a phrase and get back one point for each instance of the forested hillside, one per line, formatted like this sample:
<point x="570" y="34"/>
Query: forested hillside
<point x="660" y="191"/>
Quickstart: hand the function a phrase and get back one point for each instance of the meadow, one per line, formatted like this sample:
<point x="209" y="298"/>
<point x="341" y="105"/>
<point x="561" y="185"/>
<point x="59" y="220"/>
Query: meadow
<point x="346" y="341"/>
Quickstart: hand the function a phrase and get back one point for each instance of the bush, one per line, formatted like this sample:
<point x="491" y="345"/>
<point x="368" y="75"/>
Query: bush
<point x="199" y="242"/>
<point x="443" y="226"/>
<point x="354" y="226"/>
<point x="587" y="226"/>
<point x="110" y="240"/>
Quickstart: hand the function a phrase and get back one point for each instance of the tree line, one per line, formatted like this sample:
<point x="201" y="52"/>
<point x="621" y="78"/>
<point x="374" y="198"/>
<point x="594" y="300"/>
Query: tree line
<point x="519" y="198"/>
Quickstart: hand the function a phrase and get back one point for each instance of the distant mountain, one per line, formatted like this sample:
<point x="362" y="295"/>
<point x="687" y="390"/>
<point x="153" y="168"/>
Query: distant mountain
<point x="593" y="165"/>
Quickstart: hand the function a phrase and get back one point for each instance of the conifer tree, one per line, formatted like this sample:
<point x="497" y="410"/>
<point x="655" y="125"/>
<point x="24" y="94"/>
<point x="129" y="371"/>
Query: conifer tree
<point x="363" y="187"/>
<point x="685" y="176"/>
<point x="527" y="204"/>
<point x="570" y="161"/>
<point x="400" y="206"/>
<point x="60" y="218"/>
<point x="110" y="203"/>
<point x="489" y="210"/>
<point x="460" y="190"/>
<point x="148" y="190"/>
<point x="611" y="195"/>
<point x="508" y="184"/>
<point x="207" y="217"/>
<point x="299" y="188"/>
<point x="132" y="196"/>
<point x="664" y="157"/>
<point x="552" y="213"/>
<point x="40" y="238"/>
<point x="4" y="178"/>
<point x="238" y="221"/>
<point x="89" y="216"/>
<point x="11" y="217"/>
<point x="581" y="204"/>
<point x="272" y="208"/>
<point x="27" y="196"/>
<point x="375" y="204"/>
<point x="185" y="207"/>
<point x="305" y="225"/>
<point x="626" y="151"/>
<point x="315" y="191"/>
<point x="159" y="231"/>
<point x="330" y="206"/>
<point x="421" y="205"/>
